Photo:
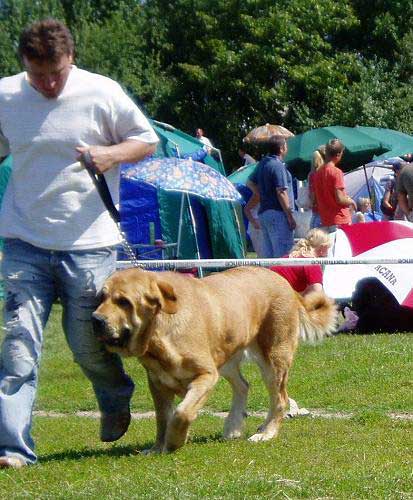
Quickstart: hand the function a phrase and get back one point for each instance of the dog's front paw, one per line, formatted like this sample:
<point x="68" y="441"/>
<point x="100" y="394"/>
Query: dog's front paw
<point x="255" y="438"/>
<point x="261" y="436"/>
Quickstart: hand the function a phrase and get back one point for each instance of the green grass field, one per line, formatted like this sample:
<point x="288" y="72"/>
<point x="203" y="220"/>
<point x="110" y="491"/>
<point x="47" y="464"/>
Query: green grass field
<point x="367" y="454"/>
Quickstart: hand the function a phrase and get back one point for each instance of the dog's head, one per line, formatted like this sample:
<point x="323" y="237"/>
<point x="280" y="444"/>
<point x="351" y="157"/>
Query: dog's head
<point x="371" y="293"/>
<point x="130" y="300"/>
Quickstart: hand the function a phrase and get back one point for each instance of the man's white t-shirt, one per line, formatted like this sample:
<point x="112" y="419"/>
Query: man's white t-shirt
<point x="248" y="160"/>
<point x="51" y="201"/>
<point x="205" y="141"/>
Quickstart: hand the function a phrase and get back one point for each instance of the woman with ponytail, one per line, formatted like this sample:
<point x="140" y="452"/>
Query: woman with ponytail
<point x="306" y="279"/>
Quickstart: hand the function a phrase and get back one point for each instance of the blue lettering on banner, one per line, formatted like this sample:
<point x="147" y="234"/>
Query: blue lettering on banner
<point x="387" y="274"/>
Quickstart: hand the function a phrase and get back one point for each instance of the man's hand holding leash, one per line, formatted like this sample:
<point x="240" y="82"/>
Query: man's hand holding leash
<point x="103" y="158"/>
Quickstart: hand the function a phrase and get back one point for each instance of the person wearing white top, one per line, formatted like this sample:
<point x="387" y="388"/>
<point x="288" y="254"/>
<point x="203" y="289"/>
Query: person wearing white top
<point x="199" y="134"/>
<point x="246" y="158"/>
<point x="59" y="237"/>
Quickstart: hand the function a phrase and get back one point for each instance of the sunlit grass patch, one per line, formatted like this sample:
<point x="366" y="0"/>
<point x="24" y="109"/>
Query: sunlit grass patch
<point x="365" y="455"/>
<point x="311" y="458"/>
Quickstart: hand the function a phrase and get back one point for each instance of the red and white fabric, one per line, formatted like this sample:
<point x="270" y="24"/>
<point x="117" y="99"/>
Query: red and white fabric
<point x="389" y="239"/>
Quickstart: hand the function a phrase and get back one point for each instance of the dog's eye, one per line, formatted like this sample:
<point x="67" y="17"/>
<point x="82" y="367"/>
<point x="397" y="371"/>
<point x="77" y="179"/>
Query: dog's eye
<point x="152" y="301"/>
<point x="123" y="302"/>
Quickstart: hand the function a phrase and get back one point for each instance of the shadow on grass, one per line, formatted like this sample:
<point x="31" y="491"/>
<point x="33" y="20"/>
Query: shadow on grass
<point x="117" y="451"/>
<point x="114" y="451"/>
<point x="212" y="438"/>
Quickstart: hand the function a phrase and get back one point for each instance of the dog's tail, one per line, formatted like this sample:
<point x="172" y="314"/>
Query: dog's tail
<point x="318" y="316"/>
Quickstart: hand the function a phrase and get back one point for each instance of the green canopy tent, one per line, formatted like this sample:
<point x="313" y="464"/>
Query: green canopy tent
<point x="174" y="142"/>
<point x="239" y="178"/>
<point x="359" y="148"/>
<point x="221" y="222"/>
<point x="242" y="175"/>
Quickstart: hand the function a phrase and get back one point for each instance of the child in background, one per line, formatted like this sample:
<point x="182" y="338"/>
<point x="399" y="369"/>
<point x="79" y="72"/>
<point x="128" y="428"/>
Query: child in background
<point x="364" y="212"/>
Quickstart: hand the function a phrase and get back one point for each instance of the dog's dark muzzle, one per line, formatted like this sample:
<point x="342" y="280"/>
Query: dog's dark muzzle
<point x="99" y="325"/>
<point x="107" y="334"/>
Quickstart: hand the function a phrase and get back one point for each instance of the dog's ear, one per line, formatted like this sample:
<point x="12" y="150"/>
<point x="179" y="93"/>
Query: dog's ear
<point x="170" y="299"/>
<point x="164" y="296"/>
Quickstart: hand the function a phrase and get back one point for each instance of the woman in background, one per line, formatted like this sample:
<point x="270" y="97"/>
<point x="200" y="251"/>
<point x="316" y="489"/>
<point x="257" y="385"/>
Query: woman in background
<point x="306" y="279"/>
<point x="389" y="203"/>
<point x="317" y="161"/>
<point x="254" y="229"/>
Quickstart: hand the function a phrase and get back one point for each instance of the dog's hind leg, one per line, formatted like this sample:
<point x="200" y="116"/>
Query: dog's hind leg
<point x="163" y="400"/>
<point x="274" y="369"/>
<point x="234" y="423"/>
<point x="187" y="411"/>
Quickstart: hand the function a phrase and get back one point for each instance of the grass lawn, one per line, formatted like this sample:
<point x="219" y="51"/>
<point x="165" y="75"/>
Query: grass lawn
<point x="368" y="455"/>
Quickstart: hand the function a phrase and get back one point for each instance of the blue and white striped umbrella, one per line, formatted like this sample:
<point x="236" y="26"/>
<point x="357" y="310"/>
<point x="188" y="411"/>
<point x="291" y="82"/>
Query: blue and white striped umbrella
<point x="183" y="175"/>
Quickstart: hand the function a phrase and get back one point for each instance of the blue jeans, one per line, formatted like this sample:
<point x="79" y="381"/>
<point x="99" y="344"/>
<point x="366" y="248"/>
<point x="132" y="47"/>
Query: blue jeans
<point x="278" y="237"/>
<point x="315" y="221"/>
<point x="33" y="279"/>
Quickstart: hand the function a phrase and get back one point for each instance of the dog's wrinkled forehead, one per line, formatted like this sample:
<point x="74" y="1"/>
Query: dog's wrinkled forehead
<point x="127" y="281"/>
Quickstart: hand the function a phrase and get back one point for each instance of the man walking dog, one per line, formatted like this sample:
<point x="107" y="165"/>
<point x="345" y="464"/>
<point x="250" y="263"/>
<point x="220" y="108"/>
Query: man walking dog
<point x="59" y="237"/>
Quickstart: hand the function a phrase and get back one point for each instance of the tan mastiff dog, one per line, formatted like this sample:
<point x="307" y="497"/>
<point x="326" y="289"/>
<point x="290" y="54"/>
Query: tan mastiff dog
<point x="187" y="332"/>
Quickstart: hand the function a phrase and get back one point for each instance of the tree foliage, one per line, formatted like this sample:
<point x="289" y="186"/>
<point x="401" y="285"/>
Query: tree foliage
<point x="230" y="65"/>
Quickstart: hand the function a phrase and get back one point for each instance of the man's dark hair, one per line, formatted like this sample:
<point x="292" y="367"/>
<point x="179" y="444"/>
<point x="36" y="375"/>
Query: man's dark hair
<point x="46" y="40"/>
<point x="275" y="143"/>
<point x="333" y="148"/>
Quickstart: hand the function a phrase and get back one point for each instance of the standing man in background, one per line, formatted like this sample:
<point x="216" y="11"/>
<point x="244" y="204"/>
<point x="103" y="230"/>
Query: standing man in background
<point x="199" y="134"/>
<point x="328" y="189"/>
<point x="389" y="204"/>
<point x="404" y="189"/>
<point x="246" y="159"/>
<point x="271" y="183"/>
<point x="59" y="238"/>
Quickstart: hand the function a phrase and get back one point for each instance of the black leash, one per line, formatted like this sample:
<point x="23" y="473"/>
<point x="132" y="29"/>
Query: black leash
<point x="102" y="188"/>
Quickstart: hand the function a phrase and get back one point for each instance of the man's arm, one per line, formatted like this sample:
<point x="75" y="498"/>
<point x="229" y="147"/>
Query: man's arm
<point x="282" y="196"/>
<point x="106" y="157"/>
<point x="314" y="278"/>
<point x="386" y="199"/>
<point x="253" y="186"/>
<point x="343" y="199"/>
<point x="402" y="197"/>
<point x="403" y="202"/>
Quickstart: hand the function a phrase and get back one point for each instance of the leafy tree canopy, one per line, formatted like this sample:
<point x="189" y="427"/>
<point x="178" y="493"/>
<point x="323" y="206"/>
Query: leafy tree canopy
<point x="231" y="65"/>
